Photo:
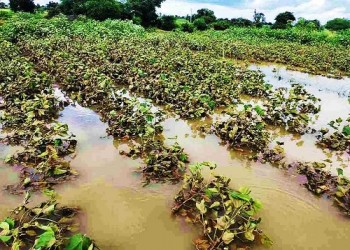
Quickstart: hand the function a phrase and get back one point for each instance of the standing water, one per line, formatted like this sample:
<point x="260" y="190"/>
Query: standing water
<point x="119" y="213"/>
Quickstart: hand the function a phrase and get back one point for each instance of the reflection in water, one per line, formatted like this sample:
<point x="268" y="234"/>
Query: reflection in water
<point x="121" y="214"/>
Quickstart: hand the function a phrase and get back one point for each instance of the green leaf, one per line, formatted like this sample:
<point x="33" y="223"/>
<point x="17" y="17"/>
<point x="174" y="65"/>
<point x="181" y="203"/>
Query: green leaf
<point x="59" y="171"/>
<point x="183" y="157"/>
<point x="201" y="207"/>
<point x="259" y="110"/>
<point x="228" y="237"/>
<point x="240" y="196"/>
<point x="346" y="130"/>
<point x="49" y="209"/>
<point x="215" y="204"/>
<point x="266" y="241"/>
<point x="11" y="222"/>
<point x="4" y="225"/>
<point x="26" y="181"/>
<point x="45" y="240"/>
<point x="5" y="238"/>
<point x="79" y="242"/>
<point x="8" y="158"/>
<point x="249" y="235"/>
<point x="58" y="142"/>
<point x="340" y="171"/>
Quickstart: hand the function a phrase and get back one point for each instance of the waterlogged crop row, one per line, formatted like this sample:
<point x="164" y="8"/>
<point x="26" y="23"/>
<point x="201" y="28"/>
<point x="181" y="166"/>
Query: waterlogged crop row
<point x="316" y="58"/>
<point x="28" y="110"/>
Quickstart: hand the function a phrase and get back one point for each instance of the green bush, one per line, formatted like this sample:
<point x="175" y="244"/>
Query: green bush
<point x="200" y="24"/>
<point x="4" y="14"/>
<point x="338" y="24"/>
<point x="187" y="27"/>
<point x="166" y="23"/>
<point x="103" y="9"/>
<point x="222" y="25"/>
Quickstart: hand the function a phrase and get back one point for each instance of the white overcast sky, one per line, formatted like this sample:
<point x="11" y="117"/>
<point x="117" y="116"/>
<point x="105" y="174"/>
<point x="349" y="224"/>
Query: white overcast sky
<point x="310" y="9"/>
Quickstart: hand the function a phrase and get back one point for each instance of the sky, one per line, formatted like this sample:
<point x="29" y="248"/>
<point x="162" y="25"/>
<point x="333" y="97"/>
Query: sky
<point x="310" y="9"/>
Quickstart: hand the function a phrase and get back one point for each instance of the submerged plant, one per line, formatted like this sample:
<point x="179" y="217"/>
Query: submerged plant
<point x="162" y="163"/>
<point x="244" y="129"/>
<point x="338" y="139"/>
<point x="46" y="226"/>
<point x="225" y="215"/>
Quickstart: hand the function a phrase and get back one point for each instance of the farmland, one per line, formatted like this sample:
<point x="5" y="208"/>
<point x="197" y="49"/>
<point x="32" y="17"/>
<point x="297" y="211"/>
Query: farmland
<point x="197" y="139"/>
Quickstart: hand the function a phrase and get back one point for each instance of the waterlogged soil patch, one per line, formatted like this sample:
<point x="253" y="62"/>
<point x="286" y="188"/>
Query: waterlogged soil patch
<point x="227" y="216"/>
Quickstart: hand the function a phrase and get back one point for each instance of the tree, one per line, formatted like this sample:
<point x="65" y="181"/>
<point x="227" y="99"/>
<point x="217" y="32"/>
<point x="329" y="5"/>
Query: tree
<point x="103" y="9"/>
<point x="241" y="22"/>
<point x="187" y="27"/>
<point x="200" y="24"/>
<point x="222" y="24"/>
<point x="22" y="5"/>
<point x="308" y="24"/>
<point x="143" y="9"/>
<point x="338" y="24"/>
<point x="73" y="7"/>
<point x="166" y="22"/>
<point x="207" y="15"/>
<point x="259" y="19"/>
<point x="53" y="9"/>
<point x="96" y="9"/>
<point x="283" y="19"/>
<point x="2" y="5"/>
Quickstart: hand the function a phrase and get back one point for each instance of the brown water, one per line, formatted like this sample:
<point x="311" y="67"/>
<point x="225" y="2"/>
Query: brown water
<point x="121" y="214"/>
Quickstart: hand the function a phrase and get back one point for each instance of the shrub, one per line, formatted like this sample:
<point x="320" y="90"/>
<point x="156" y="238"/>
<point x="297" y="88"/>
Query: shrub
<point x="222" y="25"/>
<point x="166" y="23"/>
<point x="187" y="27"/>
<point x="22" y="5"/>
<point x="103" y="9"/>
<point x="200" y="24"/>
<point x="338" y="24"/>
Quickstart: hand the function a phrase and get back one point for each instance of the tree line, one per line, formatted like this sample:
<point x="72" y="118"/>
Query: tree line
<point x="143" y="12"/>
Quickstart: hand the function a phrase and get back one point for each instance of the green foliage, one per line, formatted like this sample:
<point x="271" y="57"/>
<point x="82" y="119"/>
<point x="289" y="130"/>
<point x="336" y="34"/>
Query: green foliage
<point x="207" y="15"/>
<point x="45" y="226"/>
<point x="283" y="19"/>
<point x="53" y="9"/>
<point x="338" y="24"/>
<point x="259" y="19"/>
<point x="187" y="27"/>
<point x="308" y="25"/>
<point x="241" y="22"/>
<point x="98" y="10"/>
<point x="225" y="215"/>
<point x="200" y="24"/>
<point x="4" y="15"/>
<point x="166" y="22"/>
<point x="80" y="242"/>
<point x="36" y="26"/>
<point x="103" y="9"/>
<point x="22" y="5"/>
<point x="221" y="25"/>
<point x="143" y="9"/>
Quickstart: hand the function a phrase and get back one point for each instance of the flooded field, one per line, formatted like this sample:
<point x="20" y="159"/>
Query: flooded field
<point x="119" y="213"/>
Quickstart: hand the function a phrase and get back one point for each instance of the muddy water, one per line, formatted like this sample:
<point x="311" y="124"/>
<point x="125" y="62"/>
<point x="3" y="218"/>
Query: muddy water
<point x="121" y="214"/>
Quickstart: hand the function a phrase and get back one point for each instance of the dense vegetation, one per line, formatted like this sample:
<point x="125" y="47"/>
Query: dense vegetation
<point x="108" y="65"/>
